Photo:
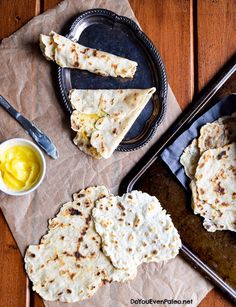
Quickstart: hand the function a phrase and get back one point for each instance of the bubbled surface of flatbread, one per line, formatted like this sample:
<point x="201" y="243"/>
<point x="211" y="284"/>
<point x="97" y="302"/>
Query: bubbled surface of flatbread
<point x="67" y="53"/>
<point x="68" y="264"/>
<point x="134" y="228"/>
<point x="102" y="118"/>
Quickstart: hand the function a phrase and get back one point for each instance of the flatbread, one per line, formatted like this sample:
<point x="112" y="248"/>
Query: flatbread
<point x="189" y="158"/>
<point x="214" y="218"/>
<point x="68" y="264"/>
<point x="102" y="118"/>
<point x="134" y="229"/>
<point x="212" y="135"/>
<point x="67" y="53"/>
<point x="214" y="188"/>
<point x="216" y="176"/>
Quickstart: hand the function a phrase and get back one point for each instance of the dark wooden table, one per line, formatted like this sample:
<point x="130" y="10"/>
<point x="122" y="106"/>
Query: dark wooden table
<point x="195" y="39"/>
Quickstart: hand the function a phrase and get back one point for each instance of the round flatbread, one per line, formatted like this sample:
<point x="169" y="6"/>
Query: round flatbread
<point x="68" y="264"/>
<point x="216" y="176"/>
<point x="135" y="228"/>
<point x="214" y="188"/>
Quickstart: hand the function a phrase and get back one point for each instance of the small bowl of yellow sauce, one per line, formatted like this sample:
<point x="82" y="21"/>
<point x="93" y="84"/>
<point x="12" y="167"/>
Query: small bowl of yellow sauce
<point x="22" y="167"/>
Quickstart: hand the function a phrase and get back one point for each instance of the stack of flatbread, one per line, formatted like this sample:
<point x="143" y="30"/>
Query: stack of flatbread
<point x="210" y="162"/>
<point x="101" y="118"/>
<point x="98" y="238"/>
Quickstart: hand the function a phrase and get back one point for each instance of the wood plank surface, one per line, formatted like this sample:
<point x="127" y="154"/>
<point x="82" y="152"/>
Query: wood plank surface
<point x="168" y="24"/>
<point x="215" y="36"/>
<point x="12" y="274"/>
<point x="14" y="14"/>
<point x="195" y="38"/>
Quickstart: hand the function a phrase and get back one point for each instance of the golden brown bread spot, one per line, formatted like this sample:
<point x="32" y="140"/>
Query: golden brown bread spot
<point x="119" y="205"/>
<point x="221" y="155"/>
<point x="201" y="191"/>
<point x="72" y="275"/>
<point x="88" y="219"/>
<point x="114" y="131"/>
<point x="224" y="204"/>
<point x="73" y="211"/>
<point x="219" y="189"/>
<point x="78" y="255"/>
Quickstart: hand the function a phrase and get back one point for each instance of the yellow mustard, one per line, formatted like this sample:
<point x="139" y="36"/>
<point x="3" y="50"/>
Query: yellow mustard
<point x="19" y="167"/>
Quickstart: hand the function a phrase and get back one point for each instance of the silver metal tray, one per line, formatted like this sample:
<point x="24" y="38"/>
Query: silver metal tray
<point x="104" y="30"/>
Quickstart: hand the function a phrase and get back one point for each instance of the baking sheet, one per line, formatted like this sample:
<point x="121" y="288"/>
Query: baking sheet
<point x="213" y="254"/>
<point x="171" y="155"/>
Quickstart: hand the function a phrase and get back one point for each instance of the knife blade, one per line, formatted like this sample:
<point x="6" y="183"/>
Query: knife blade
<point x="40" y="138"/>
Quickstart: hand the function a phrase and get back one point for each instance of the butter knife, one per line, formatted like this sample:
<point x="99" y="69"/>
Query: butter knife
<point x="40" y="138"/>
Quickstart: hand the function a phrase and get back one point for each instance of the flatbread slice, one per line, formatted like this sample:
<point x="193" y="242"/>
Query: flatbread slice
<point x="134" y="229"/>
<point x="102" y="118"/>
<point x="67" y="53"/>
<point x="68" y="264"/>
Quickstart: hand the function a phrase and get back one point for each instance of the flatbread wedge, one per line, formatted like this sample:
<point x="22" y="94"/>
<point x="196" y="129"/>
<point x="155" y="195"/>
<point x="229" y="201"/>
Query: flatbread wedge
<point x="67" y="53"/>
<point x="134" y="229"/>
<point x="102" y="118"/>
<point x="68" y="264"/>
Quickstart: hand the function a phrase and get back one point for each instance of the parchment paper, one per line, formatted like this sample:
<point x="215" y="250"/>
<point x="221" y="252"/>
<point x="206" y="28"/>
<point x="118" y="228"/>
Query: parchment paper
<point x="26" y="80"/>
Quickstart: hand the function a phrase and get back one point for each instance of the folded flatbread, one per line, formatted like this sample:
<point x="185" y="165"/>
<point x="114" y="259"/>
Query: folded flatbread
<point x="102" y="118"/>
<point x="67" y="53"/>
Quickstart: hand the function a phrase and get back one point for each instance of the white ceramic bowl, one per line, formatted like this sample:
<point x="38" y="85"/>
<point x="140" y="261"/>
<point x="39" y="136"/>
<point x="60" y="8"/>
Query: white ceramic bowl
<point x="18" y="141"/>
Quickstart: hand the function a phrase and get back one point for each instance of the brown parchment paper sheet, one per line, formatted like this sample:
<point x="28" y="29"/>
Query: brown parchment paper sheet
<point x="26" y="80"/>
